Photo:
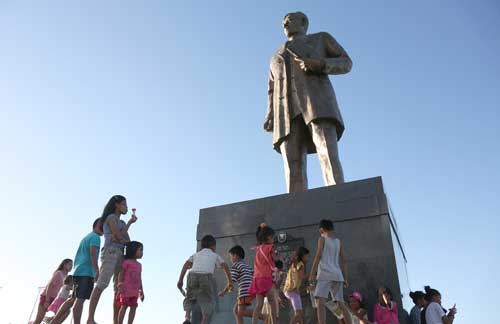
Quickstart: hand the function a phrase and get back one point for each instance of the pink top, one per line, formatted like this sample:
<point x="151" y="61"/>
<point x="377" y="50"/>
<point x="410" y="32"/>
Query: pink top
<point x="264" y="261"/>
<point x="385" y="315"/>
<point x="131" y="278"/>
<point x="54" y="285"/>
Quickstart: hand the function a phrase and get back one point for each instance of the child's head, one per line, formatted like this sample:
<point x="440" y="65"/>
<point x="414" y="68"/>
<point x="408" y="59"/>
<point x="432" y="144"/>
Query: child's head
<point x="133" y="250"/>
<point x="325" y="226"/>
<point x="237" y="253"/>
<point x="66" y="265"/>
<point x="355" y="301"/>
<point x="265" y="234"/>
<point x="116" y="205"/>
<point x="301" y="254"/>
<point x="384" y="295"/>
<point x="432" y="295"/>
<point x="96" y="227"/>
<point x="279" y="264"/>
<point x="418" y="298"/>
<point x="68" y="281"/>
<point x="208" y="242"/>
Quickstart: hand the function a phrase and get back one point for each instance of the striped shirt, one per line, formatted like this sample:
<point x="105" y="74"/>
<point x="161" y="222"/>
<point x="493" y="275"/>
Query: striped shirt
<point x="242" y="274"/>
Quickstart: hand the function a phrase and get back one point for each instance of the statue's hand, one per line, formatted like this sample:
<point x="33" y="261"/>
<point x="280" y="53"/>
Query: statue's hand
<point x="269" y="124"/>
<point x="311" y="65"/>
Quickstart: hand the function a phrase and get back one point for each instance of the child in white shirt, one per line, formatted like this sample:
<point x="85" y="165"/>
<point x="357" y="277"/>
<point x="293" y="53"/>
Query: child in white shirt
<point x="200" y="282"/>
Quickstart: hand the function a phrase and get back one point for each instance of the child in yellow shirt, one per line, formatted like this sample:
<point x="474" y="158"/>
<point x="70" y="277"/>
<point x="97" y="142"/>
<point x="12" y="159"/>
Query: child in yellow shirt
<point x="294" y="279"/>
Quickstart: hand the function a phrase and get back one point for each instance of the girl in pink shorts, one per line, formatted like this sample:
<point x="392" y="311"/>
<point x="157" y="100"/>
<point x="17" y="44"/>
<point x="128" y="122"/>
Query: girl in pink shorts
<point x="262" y="284"/>
<point x="63" y="295"/>
<point x="130" y="282"/>
<point x="49" y="294"/>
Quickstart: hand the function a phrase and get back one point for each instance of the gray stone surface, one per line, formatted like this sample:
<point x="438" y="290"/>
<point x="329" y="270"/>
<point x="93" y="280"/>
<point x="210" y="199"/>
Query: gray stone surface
<point x="363" y="222"/>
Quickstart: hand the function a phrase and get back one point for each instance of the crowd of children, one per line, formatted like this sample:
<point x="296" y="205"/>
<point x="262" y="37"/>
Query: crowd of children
<point x="262" y="285"/>
<point x="119" y="261"/>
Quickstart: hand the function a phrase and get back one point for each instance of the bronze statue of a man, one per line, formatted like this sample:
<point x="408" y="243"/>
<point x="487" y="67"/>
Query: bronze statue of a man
<point x="302" y="109"/>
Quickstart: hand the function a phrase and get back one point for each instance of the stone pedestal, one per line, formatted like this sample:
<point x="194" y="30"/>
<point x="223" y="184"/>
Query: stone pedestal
<point x="363" y="222"/>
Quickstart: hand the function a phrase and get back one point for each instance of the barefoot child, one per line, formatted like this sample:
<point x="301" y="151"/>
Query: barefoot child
<point x="279" y="277"/>
<point x="115" y="237"/>
<point x="50" y="291"/>
<point x="200" y="282"/>
<point x="85" y="273"/>
<point x="62" y="296"/>
<point x="264" y="269"/>
<point x="130" y="282"/>
<point x="293" y="283"/>
<point x="329" y="271"/>
<point x="242" y="274"/>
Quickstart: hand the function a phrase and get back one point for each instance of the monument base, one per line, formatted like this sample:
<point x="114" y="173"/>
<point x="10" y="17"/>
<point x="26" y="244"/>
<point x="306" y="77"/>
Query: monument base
<point x="363" y="222"/>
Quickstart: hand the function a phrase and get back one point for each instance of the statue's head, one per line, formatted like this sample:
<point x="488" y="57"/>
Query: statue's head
<point x="295" y="23"/>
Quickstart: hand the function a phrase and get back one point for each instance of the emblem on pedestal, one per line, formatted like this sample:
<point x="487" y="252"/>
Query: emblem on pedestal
<point x="282" y="237"/>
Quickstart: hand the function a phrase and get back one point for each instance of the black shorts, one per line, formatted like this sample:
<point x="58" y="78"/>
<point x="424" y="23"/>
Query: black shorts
<point x="83" y="287"/>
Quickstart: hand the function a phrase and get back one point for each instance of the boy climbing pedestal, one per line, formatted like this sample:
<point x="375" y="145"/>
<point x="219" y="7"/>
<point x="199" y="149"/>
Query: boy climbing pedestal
<point x="200" y="281"/>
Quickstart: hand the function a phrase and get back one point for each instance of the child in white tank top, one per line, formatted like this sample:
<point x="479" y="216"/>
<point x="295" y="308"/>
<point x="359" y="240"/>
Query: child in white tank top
<point x="329" y="272"/>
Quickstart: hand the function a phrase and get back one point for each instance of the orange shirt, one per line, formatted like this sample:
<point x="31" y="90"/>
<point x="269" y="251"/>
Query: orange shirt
<point x="264" y="261"/>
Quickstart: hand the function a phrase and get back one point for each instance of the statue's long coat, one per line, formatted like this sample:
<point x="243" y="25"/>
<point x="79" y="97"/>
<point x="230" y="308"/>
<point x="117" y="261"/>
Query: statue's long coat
<point x="293" y="92"/>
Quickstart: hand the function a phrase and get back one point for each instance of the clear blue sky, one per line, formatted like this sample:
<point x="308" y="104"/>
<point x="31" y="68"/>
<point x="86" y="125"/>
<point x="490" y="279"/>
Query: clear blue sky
<point x="164" y="103"/>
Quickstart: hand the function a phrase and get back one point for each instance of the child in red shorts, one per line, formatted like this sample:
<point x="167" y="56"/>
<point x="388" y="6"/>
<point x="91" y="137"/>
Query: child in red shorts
<point x="130" y="283"/>
<point x="264" y="269"/>
<point x="242" y="274"/>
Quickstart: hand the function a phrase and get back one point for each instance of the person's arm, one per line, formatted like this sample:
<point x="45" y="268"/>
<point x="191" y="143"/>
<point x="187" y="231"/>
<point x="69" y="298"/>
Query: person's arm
<point x="120" y="278"/>
<point x="52" y="286"/>
<point x="187" y="265"/>
<point x="360" y="314"/>
<point x="131" y="221"/>
<point x="301" y="276"/>
<point x="224" y="291"/>
<point x="337" y="61"/>
<point x="343" y="266"/>
<point x="230" y="284"/>
<point x="93" y="259"/>
<point x="269" y="120"/>
<point x="394" y="307"/>
<point x="281" y="277"/>
<point x="142" y="292"/>
<point x="448" y="319"/>
<point x="363" y="317"/>
<point x="235" y="274"/>
<point x="317" y="259"/>
<point x="116" y="234"/>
